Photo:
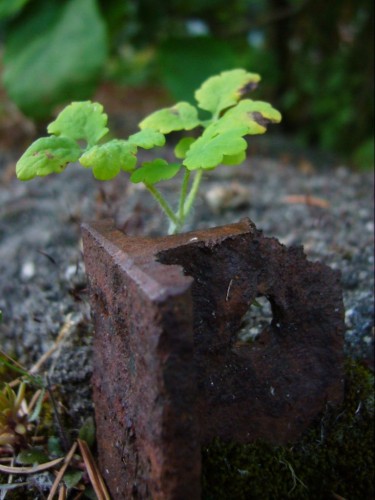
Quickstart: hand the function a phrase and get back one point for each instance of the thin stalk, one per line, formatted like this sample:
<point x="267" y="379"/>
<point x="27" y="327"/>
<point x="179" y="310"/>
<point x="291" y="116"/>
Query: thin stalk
<point x="163" y="203"/>
<point x="193" y="193"/>
<point x="184" y="189"/>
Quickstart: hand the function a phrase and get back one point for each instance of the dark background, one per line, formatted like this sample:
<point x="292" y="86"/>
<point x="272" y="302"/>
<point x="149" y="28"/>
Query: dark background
<point x="315" y="59"/>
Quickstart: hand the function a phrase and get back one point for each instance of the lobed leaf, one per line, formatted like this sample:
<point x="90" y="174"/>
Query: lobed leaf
<point x="209" y="151"/>
<point x="155" y="171"/>
<point x="183" y="146"/>
<point x="181" y="116"/>
<point x="147" y="139"/>
<point x="47" y="155"/>
<point x="81" y="120"/>
<point x="255" y="115"/>
<point x="226" y="89"/>
<point x="236" y="159"/>
<point x="107" y="160"/>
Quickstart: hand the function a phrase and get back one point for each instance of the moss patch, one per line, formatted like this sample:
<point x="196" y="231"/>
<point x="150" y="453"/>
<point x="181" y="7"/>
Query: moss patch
<point x="334" y="459"/>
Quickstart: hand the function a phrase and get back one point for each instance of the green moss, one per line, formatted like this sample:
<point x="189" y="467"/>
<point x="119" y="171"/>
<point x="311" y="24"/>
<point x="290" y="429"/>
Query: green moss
<point x="335" y="457"/>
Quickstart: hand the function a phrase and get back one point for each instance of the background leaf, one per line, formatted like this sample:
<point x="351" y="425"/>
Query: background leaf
<point x="47" y="155"/>
<point x="87" y="431"/>
<point x="155" y="171"/>
<point x="110" y="158"/>
<point x="54" y="52"/>
<point x="81" y="120"/>
<point x="72" y="478"/>
<point x="181" y="116"/>
<point x="32" y="456"/>
<point x="224" y="90"/>
<point x="186" y="62"/>
<point x="10" y="7"/>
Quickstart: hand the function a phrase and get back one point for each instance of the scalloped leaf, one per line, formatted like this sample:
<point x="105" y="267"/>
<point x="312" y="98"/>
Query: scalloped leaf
<point x="183" y="146"/>
<point x="81" y="120"/>
<point x="236" y="159"/>
<point x="155" y="171"/>
<point x="208" y="151"/>
<point x="181" y="116"/>
<point x="255" y="115"/>
<point x="226" y="89"/>
<point x="107" y="160"/>
<point x="147" y="139"/>
<point x="47" y="155"/>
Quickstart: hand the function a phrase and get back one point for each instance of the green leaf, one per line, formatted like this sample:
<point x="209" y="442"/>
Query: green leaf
<point x="181" y="116"/>
<point x="236" y="159"/>
<point x="54" y="53"/>
<point x="32" y="456"/>
<point x="87" y="431"/>
<point x="10" y="7"/>
<point x="54" y="447"/>
<point x="209" y="151"/>
<point x="147" y="139"/>
<point x="155" y="171"/>
<point x="224" y="90"/>
<point x="202" y="56"/>
<point x="90" y="493"/>
<point x="47" y="155"/>
<point x="72" y="478"/>
<point x="110" y="158"/>
<point x="38" y="407"/>
<point x="255" y="115"/>
<point x="183" y="146"/>
<point x="81" y="120"/>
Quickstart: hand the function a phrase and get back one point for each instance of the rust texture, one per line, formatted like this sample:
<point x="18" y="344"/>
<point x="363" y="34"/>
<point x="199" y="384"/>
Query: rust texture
<point x="169" y="371"/>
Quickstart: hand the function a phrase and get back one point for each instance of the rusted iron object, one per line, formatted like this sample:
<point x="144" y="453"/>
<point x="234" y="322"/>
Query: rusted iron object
<point x="169" y="371"/>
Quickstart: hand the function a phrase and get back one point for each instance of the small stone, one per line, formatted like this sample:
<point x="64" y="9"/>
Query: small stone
<point x="227" y="197"/>
<point x="28" y="270"/>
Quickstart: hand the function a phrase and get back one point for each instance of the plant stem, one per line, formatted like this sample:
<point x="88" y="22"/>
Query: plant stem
<point x="193" y="193"/>
<point x="163" y="204"/>
<point x="184" y="188"/>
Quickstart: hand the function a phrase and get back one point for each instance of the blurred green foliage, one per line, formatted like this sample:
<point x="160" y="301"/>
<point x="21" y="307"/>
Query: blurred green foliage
<point x="316" y="57"/>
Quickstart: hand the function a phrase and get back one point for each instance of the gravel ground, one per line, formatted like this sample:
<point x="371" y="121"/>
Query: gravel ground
<point x="43" y="286"/>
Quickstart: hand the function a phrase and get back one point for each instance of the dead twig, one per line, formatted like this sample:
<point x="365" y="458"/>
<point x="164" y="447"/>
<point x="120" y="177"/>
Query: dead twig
<point x="61" y="473"/>
<point x="96" y="478"/>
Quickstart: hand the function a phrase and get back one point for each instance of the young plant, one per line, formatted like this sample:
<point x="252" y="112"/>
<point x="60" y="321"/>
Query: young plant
<point x="78" y="134"/>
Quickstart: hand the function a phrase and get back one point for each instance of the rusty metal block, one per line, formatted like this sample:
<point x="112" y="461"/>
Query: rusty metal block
<point x="169" y="371"/>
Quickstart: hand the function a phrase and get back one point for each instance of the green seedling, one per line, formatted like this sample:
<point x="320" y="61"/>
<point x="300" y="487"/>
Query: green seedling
<point x="79" y="131"/>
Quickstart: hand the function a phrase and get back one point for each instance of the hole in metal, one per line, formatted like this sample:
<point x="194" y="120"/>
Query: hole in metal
<point x="257" y="318"/>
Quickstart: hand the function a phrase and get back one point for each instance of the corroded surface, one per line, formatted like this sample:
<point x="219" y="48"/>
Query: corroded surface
<point x="170" y="373"/>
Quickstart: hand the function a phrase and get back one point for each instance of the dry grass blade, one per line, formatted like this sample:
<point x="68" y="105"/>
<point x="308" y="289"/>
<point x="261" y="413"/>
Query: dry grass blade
<point x="61" y="472"/>
<point x="11" y="360"/>
<point x="64" y="331"/>
<point x="62" y="492"/>
<point x="93" y="472"/>
<point x="30" y="470"/>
